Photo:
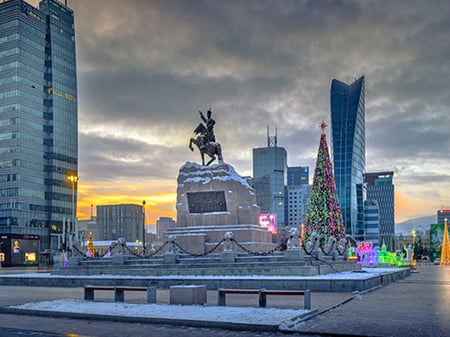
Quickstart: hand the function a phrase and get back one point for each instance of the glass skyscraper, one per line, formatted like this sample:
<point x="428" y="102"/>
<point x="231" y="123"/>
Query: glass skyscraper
<point x="270" y="178"/>
<point x="38" y="119"/>
<point x="298" y="175"/>
<point x="348" y="149"/>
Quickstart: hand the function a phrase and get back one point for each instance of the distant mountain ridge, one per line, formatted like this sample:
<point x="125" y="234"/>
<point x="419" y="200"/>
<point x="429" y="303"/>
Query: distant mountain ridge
<point x="421" y="224"/>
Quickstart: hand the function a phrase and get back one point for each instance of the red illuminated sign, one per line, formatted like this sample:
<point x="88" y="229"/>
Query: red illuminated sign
<point x="269" y="221"/>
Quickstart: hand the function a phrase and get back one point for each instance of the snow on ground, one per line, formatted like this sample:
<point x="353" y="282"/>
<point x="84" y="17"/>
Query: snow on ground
<point x="247" y="315"/>
<point x="363" y="274"/>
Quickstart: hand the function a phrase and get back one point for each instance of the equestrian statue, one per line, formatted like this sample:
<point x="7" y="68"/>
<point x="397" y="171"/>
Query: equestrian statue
<point x="206" y="140"/>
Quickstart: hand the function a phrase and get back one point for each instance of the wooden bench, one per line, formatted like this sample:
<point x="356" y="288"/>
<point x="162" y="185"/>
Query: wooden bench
<point x="119" y="292"/>
<point x="262" y="295"/>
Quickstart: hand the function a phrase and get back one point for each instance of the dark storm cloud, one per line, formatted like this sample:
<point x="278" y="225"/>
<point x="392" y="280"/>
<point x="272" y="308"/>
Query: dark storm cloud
<point x="415" y="134"/>
<point x="166" y="98"/>
<point x="150" y="65"/>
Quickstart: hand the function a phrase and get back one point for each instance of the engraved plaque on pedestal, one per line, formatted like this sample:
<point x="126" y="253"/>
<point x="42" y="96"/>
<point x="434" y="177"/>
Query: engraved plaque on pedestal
<point x="206" y="202"/>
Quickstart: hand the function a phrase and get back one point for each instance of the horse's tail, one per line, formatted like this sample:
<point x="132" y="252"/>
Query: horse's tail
<point x="219" y="153"/>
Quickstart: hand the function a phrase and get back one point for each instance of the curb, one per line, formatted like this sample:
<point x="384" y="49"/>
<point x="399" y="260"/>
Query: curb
<point x="150" y="320"/>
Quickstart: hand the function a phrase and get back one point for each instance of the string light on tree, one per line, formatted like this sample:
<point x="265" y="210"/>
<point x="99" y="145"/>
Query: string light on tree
<point x="324" y="213"/>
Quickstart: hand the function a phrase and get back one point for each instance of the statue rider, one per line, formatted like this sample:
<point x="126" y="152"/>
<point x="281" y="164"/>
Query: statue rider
<point x="210" y="137"/>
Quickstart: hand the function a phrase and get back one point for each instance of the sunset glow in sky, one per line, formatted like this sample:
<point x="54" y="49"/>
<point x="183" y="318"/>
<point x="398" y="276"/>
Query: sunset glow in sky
<point x="145" y="68"/>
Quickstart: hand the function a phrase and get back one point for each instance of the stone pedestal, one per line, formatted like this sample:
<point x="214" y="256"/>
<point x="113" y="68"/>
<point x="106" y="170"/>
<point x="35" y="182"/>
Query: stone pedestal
<point x="211" y="201"/>
<point x="213" y="196"/>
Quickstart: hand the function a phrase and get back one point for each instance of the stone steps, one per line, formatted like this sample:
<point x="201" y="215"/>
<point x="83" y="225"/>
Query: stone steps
<point x="211" y="265"/>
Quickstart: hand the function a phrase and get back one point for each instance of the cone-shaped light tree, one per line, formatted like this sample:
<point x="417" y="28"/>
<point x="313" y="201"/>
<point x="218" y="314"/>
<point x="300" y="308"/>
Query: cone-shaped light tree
<point x="445" y="248"/>
<point x="91" y="248"/>
<point x="324" y="212"/>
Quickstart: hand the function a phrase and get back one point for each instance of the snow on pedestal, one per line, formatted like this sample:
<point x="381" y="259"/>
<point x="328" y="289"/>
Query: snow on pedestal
<point x="213" y="200"/>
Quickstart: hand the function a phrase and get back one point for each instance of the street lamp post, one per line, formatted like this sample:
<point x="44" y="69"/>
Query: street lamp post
<point x="143" y="227"/>
<point x="73" y="179"/>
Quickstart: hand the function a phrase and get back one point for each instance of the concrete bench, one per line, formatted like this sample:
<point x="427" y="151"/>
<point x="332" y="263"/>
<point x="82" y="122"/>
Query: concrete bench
<point x="119" y="292"/>
<point x="262" y="295"/>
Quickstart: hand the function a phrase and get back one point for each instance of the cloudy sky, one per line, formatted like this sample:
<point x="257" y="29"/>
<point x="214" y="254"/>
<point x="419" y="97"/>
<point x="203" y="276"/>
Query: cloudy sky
<point x="146" y="67"/>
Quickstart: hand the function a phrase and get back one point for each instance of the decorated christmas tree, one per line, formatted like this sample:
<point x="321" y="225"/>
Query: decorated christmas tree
<point x="324" y="213"/>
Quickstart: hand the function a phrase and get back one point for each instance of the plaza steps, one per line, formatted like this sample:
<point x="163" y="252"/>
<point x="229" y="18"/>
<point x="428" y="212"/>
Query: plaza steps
<point x="213" y="264"/>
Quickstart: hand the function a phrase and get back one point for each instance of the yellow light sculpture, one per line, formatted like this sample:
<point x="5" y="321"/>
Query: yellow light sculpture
<point x="302" y="234"/>
<point x="91" y="248"/>
<point x="445" y="248"/>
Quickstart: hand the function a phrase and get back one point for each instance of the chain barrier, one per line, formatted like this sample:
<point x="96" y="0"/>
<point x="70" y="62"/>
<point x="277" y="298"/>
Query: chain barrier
<point x="303" y="245"/>
<point x="327" y="263"/>
<point x="79" y="251"/>
<point x="84" y="255"/>
<point x="130" y="251"/>
<point x="198" y="255"/>
<point x="111" y="247"/>
<point x="322" y="248"/>
<point x="339" y="251"/>
<point x="157" y="251"/>
<point x="245" y="249"/>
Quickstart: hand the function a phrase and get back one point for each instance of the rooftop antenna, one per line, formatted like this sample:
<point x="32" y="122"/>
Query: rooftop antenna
<point x="271" y="140"/>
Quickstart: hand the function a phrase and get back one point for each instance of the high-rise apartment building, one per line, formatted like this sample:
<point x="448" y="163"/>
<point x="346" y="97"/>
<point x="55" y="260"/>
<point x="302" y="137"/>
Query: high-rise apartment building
<point x="371" y="223"/>
<point x="349" y="148"/>
<point x="162" y="225"/>
<point x="38" y="120"/>
<point x="270" y="177"/>
<point x="380" y="187"/>
<point x="121" y="221"/>
<point x="297" y="202"/>
<point x="87" y="226"/>
<point x="297" y="195"/>
<point x="442" y="214"/>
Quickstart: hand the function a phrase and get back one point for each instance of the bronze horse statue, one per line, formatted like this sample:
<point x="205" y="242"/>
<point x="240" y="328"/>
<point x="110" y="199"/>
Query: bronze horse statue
<point x="204" y="146"/>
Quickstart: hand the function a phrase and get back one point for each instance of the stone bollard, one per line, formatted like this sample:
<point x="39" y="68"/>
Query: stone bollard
<point x="73" y="261"/>
<point x="170" y="258"/>
<point x="228" y="257"/>
<point x="317" y="253"/>
<point x="334" y="255"/>
<point x="172" y="249"/>
<point x="119" y="259"/>
<point x="294" y="239"/>
<point x="292" y="254"/>
<point x="228" y="243"/>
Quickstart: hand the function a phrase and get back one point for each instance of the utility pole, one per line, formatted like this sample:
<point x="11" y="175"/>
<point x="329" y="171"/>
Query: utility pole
<point x="143" y="227"/>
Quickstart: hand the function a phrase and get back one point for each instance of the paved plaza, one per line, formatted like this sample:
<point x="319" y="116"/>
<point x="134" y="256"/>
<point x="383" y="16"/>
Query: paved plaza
<point x="418" y="305"/>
